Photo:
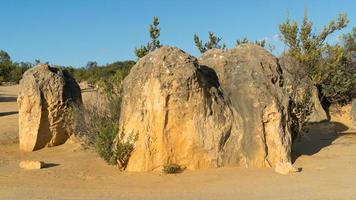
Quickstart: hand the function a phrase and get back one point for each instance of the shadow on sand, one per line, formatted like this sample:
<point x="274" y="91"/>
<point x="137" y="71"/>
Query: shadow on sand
<point x="8" y="113"/>
<point x="49" y="165"/>
<point x="319" y="136"/>
<point x="8" y="99"/>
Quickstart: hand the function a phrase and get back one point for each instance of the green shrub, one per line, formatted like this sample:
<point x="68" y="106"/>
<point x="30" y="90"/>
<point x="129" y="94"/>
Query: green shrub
<point x="105" y="145"/>
<point x="104" y="141"/>
<point x="98" y="121"/>
<point x="300" y="110"/>
<point x="172" y="169"/>
<point x="122" y="153"/>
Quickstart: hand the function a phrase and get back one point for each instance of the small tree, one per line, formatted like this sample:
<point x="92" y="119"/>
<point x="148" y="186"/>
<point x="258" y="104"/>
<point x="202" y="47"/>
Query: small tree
<point x="325" y="65"/>
<point x="155" y="32"/>
<point x="212" y="43"/>
<point x="305" y="45"/>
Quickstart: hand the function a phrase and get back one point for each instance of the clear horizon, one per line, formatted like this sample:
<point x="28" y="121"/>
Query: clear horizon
<point x="71" y="33"/>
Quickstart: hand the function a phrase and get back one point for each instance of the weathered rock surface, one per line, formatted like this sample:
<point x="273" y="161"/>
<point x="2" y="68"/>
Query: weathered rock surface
<point x="29" y="164"/>
<point x="45" y="94"/>
<point x="252" y="79"/>
<point x="296" y="79"/>
<point x="178" y="113"/>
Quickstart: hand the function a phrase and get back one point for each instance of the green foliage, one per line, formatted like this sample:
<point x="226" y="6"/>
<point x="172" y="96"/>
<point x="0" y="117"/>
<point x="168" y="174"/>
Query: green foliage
<point x="95" y="74"/>
<point x="9" y="71"/>
<point x="4" y="57"/>
<point x="112" y="151"/>
<point x="142" y="51"/>
<point x="105" y="139"/>
<point x="155" y="32"/>
<point x="349" y="43"/>
<point x="105" y="143"/>
<point x="338" y="75"/>
<point x="327" y="66"/>
<point x="98" y="123"/>
<point x="261" y="43"/>
<point x="305" y="45"/>
<point x="300" y="110"/>
<point x="212" y="43"/>
<point x="123" y="151"/>
<point x="172" y="169"/>
<point x="112" y="85"/>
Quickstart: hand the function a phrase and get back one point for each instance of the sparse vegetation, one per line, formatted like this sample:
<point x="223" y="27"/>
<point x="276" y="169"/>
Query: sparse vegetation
<point x="261" y="43"/>
<point x="95" y="74"/>
<point x="98" y="123"/>
<point x="155" y="32"/>
<point x="300" y="110"/>
<point x="214" y="42"/>
<point x="98" y="127"/>
<point x="172" y="169"/>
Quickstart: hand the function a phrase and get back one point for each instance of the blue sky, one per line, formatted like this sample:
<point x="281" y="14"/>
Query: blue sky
<point x="73" y="32"/>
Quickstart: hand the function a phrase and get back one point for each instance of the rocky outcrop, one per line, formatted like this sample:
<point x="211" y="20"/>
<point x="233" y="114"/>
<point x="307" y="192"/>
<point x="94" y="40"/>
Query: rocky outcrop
<point x="229" y="109"/>
<point x="296" y="80"/>
<point x="252" y="79"/>
<point x="45" y="94"/>
<point x="175" y="111"/>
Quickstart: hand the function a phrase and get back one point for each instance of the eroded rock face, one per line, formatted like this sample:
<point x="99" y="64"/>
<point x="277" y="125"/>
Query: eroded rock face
<point x="45" y="94"/>
<point x="229" y="110"/>
<point x="294" y="74"/>
<point x="252" y="80"/>
<point x="176" y="111"/>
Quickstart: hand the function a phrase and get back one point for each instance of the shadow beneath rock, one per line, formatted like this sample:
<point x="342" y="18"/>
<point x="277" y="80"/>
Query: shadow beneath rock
<point x="318" y="136"/>
<point x="8" y="99"/>
<point x="49" y="165"/>
<point x="8" y="113"/>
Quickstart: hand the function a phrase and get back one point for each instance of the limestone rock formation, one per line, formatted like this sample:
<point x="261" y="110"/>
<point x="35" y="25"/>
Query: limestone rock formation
<point x="45" y="94"/>
<point x="296" y="79"/>
<point x="178" y="113"/>
<point x="252" y="79"/>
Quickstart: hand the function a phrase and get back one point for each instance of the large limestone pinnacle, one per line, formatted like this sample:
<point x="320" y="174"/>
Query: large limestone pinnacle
<point x="227" y="109"/>
<point x="45" y="94"/>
